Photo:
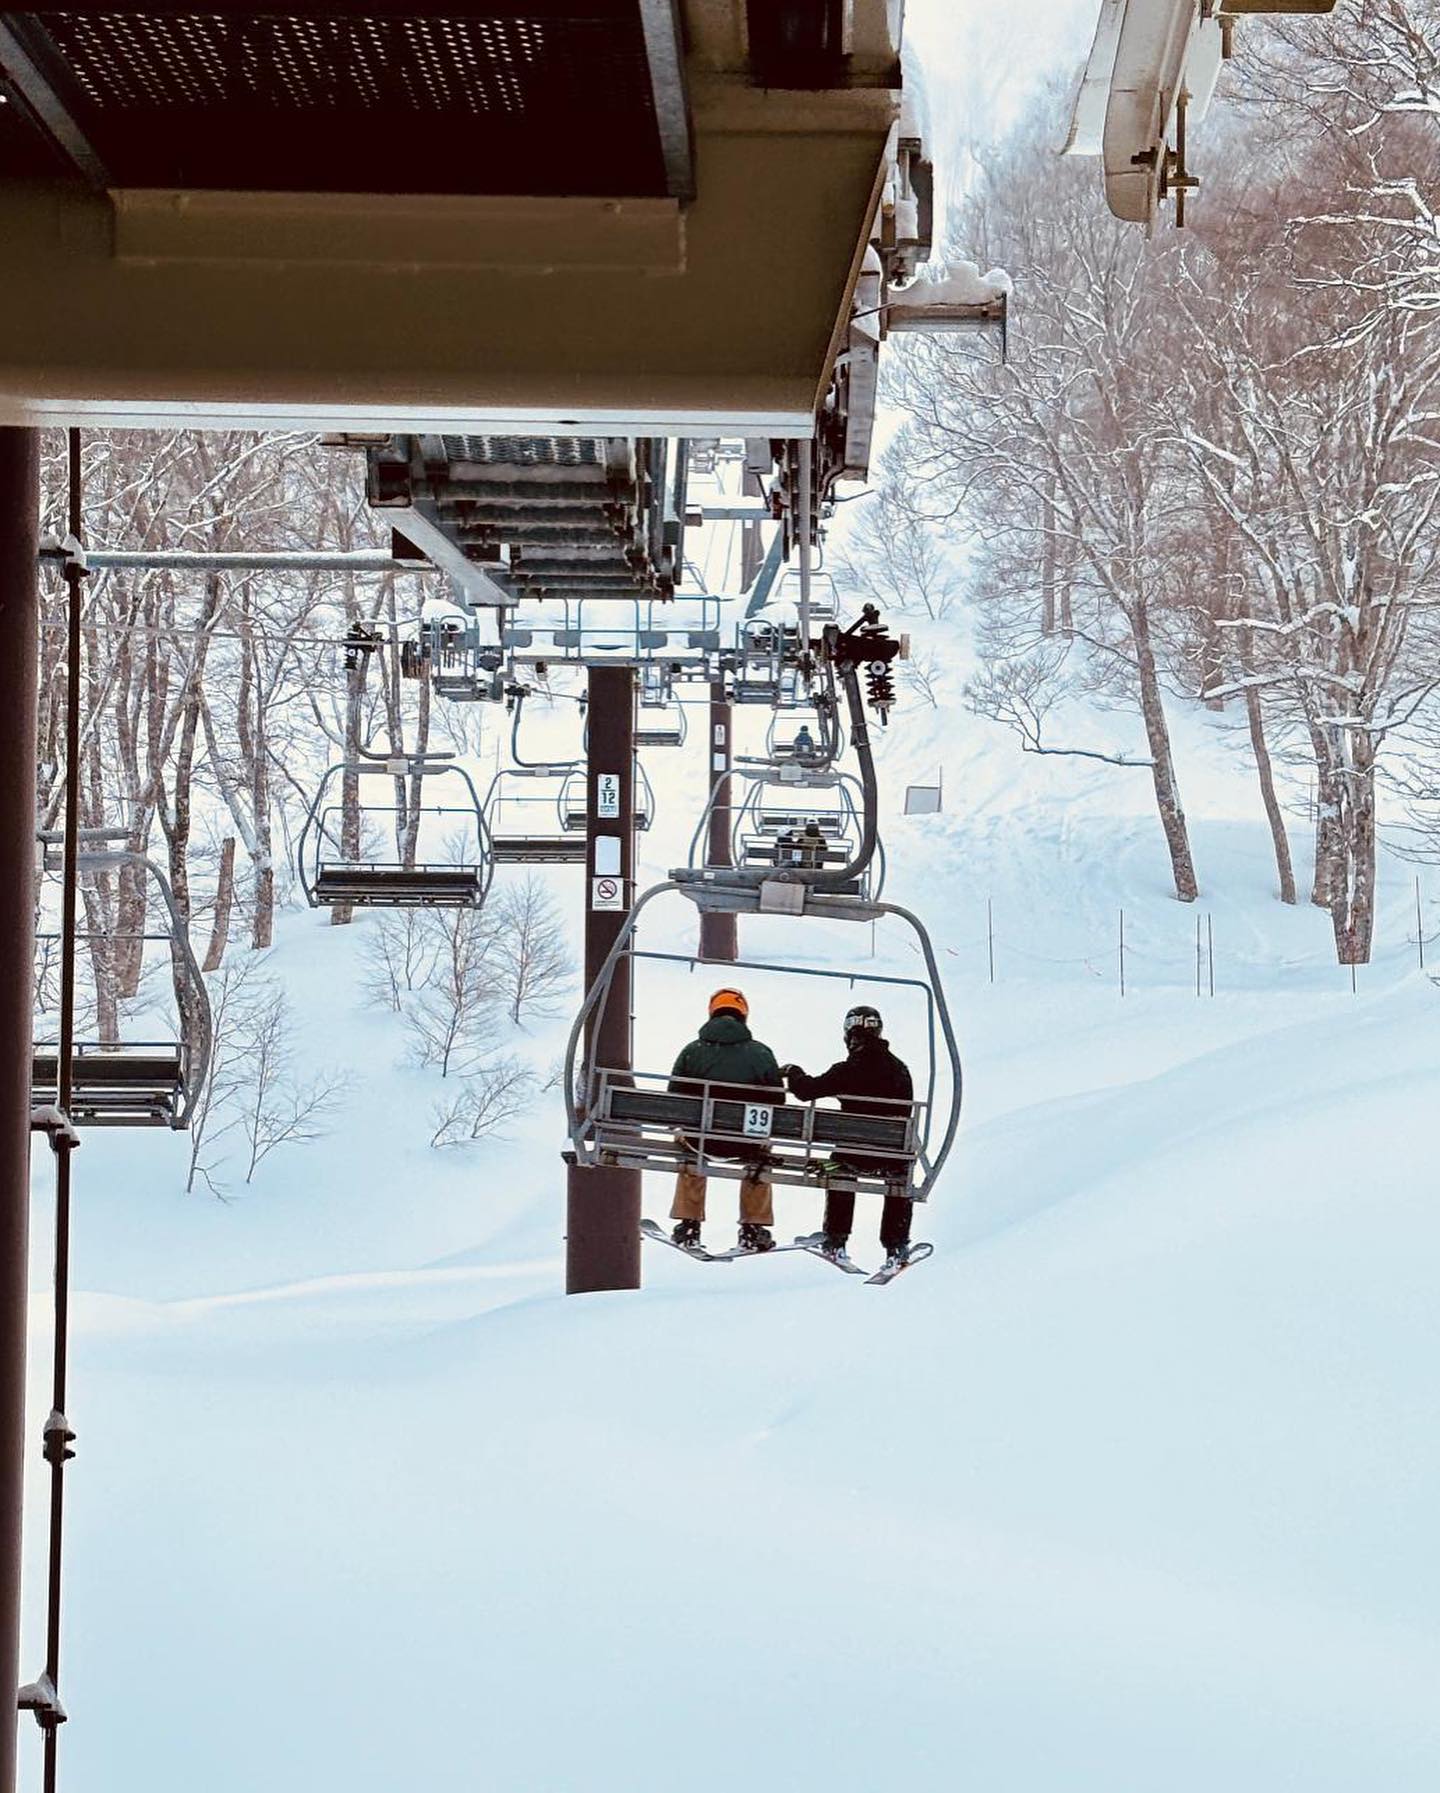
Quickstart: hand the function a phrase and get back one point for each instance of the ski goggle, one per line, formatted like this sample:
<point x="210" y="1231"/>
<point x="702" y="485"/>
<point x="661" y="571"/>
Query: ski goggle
<point x="862" y="1018"/>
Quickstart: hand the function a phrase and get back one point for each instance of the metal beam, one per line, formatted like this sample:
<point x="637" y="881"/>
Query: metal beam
<point x="23" y="60"/>
<point x="446" y="555"/>
<point x="19" y="612"/>
<point x="185" y="560"/>
<point x="660" y="21"/>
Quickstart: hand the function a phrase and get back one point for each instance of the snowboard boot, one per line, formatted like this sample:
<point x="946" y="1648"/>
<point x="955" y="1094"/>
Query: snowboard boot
<point x="896" y="1255"/>
<point x="686" y="1234"/>
<point x="831" y="1245"/>
<point x="754" y="1237"/>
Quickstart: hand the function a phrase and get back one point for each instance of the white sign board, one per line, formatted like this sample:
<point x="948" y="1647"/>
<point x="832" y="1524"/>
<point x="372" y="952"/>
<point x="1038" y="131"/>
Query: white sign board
<point x="922" y="800"/>
<point x="607" y="855"/>
<point x="607" y="893"/>
<point x="758" y="1120"/>
<point x="607" y="796"/>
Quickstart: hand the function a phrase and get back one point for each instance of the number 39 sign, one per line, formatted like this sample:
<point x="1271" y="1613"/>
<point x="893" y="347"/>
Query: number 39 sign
<point x="758" y="1120"/>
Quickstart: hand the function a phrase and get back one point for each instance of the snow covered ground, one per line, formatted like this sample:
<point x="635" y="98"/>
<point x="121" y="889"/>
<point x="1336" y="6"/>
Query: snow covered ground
<point x="1131" y="1487"/>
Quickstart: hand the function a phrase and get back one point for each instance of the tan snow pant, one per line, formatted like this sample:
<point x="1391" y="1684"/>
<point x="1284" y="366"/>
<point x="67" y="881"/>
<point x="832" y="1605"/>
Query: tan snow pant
<point x="689" y="1204"/>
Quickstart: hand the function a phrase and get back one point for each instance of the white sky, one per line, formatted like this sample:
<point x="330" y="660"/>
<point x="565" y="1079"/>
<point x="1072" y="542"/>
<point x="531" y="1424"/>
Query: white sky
<point x="979" y="59"/>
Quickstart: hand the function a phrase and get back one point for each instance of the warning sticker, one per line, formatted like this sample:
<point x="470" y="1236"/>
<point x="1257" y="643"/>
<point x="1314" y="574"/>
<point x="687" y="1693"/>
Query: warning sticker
<point x="607" y="893"/>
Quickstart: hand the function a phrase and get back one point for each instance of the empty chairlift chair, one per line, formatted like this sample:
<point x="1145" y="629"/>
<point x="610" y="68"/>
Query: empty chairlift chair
<point x="132" y="1083"/>
<point x="455" y="876"/>
<point x="527" y="815"/>
<point x="574" y="816"/>
<point x="661" y="720"/>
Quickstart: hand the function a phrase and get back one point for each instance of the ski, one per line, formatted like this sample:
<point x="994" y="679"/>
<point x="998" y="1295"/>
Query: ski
<point x="891" y="1268"/>
<point x="649" y="1230"/>
<point x="811" y="1243"/>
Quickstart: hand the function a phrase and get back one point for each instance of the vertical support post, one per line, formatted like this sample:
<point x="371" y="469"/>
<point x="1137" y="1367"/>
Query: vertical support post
<point x="1122" y="952"/>
<point x="1199" y="960"/>
<point x="1210" y="948"/>
<point x="805" y="458"/>
<point x="19" y="617"/>
<point x="1419" y="923"/>
<point x="720" y="934"/>
<point x="602" y="1230"/>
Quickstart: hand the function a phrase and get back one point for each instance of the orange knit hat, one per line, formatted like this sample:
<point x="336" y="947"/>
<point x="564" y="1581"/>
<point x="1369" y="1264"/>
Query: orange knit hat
<point x="730" y="999"/>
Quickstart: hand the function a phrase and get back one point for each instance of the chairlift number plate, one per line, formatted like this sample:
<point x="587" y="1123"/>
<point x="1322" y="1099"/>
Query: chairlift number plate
<point x="607" y="795"/>
<point x="758" y="1120"/>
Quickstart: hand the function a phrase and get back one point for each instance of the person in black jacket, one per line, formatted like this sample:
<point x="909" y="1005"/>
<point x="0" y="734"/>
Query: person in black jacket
<point x="869" y="1072"/>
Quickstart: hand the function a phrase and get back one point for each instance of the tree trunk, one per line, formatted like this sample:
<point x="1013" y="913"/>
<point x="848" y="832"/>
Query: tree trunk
<point x="1048" y="559"/>
<point x="1260" y="747"/>
<point x="1328" y="803"/>
<point x="1352" y="891"/>
<point x="224" y="902"/>
<point x="1162" y="763"/>
<point x="422" y="742"/>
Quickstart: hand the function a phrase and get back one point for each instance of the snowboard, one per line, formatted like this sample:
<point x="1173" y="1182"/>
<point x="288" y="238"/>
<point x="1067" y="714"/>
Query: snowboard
<point x="888" y="1271"/>
<point x="811" y="1243"/>
<point x="747" y="1251"/>
<point x="649" y="1230"/>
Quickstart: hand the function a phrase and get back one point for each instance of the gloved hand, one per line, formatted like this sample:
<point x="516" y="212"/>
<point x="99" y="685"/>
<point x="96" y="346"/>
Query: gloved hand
<point x="788" y="1071"/>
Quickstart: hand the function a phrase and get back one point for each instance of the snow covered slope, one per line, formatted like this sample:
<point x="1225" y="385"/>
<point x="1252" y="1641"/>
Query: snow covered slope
<point x="1131" y="1487"/>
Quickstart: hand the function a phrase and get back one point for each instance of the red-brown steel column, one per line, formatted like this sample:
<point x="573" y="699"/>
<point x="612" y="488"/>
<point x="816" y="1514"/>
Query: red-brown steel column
<point x="19" y="609"/>
<point x="719" y="934"/>
<point x="602" y="1225"/>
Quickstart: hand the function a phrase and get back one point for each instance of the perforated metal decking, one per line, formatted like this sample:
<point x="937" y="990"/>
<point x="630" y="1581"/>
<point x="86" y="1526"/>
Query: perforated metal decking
<point x="375" y="98"/>
<point x="564" y="517"/>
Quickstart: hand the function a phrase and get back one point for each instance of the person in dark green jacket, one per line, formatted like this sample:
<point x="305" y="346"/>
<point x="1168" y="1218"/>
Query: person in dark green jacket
<point x="727" y="1052"/>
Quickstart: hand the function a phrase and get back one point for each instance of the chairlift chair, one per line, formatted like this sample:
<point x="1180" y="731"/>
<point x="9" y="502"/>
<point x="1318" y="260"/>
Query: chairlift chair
<point x="824" y="596"/>
<point x="768" y="830"/>
<point x="132" y="1083"/>
<point x="573" y="797"/>
<point x="461" y="669"/>
<point x="765" y="667"/>
<point x="620" y="1116"/>
<point x="529" y="824"/>
<point x="330" y="877"/>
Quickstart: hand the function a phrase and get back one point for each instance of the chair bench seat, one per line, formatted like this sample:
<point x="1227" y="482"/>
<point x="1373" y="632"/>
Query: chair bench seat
<point x="398" y="887"/>
<point x="538" y="849"/>
<point x="828" y="1127"/>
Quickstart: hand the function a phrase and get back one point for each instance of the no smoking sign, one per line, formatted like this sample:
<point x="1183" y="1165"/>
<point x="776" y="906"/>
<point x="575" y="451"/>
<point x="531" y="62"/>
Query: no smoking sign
<point x="607" y="893"/>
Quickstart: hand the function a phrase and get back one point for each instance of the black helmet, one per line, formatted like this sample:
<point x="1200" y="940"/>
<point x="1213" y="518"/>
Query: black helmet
<point x="862" y="1022"/>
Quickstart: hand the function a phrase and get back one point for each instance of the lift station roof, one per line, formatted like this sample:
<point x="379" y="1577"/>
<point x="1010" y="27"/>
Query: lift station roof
<point x="619" y="216"/>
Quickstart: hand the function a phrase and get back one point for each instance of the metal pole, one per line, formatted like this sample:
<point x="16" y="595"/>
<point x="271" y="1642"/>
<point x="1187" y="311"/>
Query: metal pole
<point x="805" y="459"/>
<point x="1419" y="924"/>
<point x="1199" y="960"/>
<point x="602" y="1230"/>
<point x="19" y="617"/>
<point x="195" y="560"/>
<point x="1122" y="952"/>
<point x="720" y="934"/>
<point x="1210" y="948"/>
